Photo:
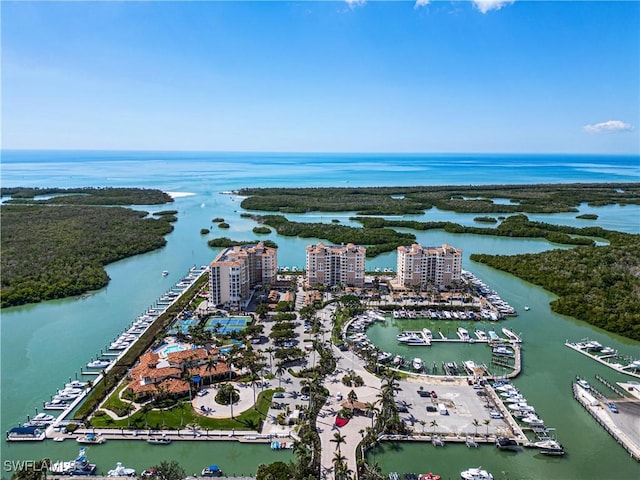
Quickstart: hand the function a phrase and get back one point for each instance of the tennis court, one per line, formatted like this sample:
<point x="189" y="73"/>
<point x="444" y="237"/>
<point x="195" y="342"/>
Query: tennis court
<point x="226" y="325"/>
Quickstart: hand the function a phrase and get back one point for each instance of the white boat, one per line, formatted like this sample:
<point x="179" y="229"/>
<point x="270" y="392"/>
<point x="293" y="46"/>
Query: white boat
<point x="463" y="334"/>
<point x="398" y="360"/>
<point x="427" y="333"/>
<point x="75" y="384"/>
<point x="91" y="438"/>
<point x="510" y="335"/>
<point x="475" y="474"/>
<point x="584" y="384"/>
<point x="56" y="404"/>
<point x="79" y="466"/>
<point x="121" y="471"/>
<point x="502" y="351"/>
<point x="99" y="364"/>
<point x="525" y="407"/>
<point x="417" y="364"/>
<point x="211" y="471"/>
<point x="480" y="335"/>
<point x="165" y="273"/>
<point x="43" y="417"/>
<point x="526" y="308"/>
<point x="533" y="420"/>
<point x="159" y="441"/>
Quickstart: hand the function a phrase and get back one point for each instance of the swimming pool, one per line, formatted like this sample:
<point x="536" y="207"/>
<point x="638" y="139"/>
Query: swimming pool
<point x="174" y="348"/>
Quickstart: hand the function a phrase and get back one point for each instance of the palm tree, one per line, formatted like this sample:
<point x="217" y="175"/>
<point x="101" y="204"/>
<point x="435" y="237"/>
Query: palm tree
<point x="352" y="396"/>
<point x="270" y="350"/>
<point x="338" y="439"/>
<point x="212" y="364"/>
<point x="372" y="411"/>
<point x="433" y="424"/>
<point x="487" y="422"/>
<point x="476" y="424"/>
<point x="423" y="424"/>
<point x="339" y="465"/>
<point x="279" y="371"/>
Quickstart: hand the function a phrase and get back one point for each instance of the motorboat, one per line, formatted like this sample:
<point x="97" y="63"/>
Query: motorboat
<point x="526" y="308"/>
<point x="417" y="364"/>
<point x="533" y="420"/>
<point x="165" y="273"/>
<point x="384" y="357"/>
<point x="398" y="360"/>
<point x="99" y="364"/>
<point x="475" y="474"/>
<point x="43" y="417"/>
<point x="75" y="384"/>
<point x="525" y="407"/>
<point x="463" y="334"/>
<point x="481" y="335"/>
<point x="584" y="384"/>
<point x="159" y="441"/>
<point x="56" y="404"/>
<point x="79" y="466"/>
<point x="211" y="471"/>
<point x="428" y="476"/>
<point x="91" y="439"/>
<point x="510" y="335"/>
<point x="550" y="446"/>
<point x="506" y="443"/>
<point x="427" y="333"/>
<point x="121" y="471"/>
<point x="502" y="351"/>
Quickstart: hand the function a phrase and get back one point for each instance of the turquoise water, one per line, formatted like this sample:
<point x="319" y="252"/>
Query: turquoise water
<point x="44" y="345"/>
<point x="173" y="348"/>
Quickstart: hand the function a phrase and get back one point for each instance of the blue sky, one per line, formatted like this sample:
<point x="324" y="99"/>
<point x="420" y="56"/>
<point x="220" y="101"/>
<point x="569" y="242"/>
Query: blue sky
<point x="426" y="76"/>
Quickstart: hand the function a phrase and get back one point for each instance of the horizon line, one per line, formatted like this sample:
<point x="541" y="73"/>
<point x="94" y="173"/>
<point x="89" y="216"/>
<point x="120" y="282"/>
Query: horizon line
<point x="302" y="152"/>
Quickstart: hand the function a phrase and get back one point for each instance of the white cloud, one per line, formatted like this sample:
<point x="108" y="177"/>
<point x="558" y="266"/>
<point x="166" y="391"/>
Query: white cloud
<point x="421" y="3"/>
<point x="487" y="5"/>
<point x="355" y="3"/>
<point x="610" y="126"/>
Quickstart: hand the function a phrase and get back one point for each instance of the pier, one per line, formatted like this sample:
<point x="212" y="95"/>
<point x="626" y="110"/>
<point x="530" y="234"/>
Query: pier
<point x="598" y="412"/>
<point x="618" y="368"/>
<point x="150" y="316"/>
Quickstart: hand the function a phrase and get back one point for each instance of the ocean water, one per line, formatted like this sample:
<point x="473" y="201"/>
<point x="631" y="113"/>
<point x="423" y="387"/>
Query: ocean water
<point x="43" y="345"/>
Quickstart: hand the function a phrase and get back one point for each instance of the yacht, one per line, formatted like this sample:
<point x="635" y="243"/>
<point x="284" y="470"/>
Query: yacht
<point x="463" y="334"/>
<point x="506" y="443"/>
<point x="56" y="404"/>
<point x="549" y="446"/>
<point x="121" y="471"/>
<point x="427" y="333"/>
<point x="475" y="474"/>
<point x="502" y="351"/>
<point x="99" y="364"/>
<point x="533" y="420"/>
<point x="91" y="438"/>
<point x="159" y="441"/>
<point x="417" y="364"/>
<point x="79" y="466"/>
<point x="398" y="360"/>
<point x="43" y="417"/>
<point x="510" y="335"/>
<point x="481" y="335"/>
<point x="584" y="384"/>
<point x="211" y="471"/>
<point x="75" y="384"/>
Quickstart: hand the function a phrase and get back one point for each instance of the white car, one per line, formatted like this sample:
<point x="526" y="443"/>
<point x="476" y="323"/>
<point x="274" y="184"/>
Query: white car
<point x="339" y="396"/>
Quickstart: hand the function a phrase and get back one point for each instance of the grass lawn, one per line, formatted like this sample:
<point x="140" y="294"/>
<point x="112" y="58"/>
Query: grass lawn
<point x="115" y="404"/>
<point x="183" y="414"/>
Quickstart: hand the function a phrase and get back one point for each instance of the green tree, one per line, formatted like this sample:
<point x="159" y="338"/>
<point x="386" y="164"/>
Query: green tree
<point x="168" y="471"/>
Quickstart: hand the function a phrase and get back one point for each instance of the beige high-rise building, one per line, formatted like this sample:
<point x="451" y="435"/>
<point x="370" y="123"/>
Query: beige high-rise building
<point x="335" y="265"/>
<point x="235" y="270"/>
<point x="424" y="266"/>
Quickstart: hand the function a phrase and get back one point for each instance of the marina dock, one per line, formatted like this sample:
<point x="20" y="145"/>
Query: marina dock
<point x="579" y="347"/>
<point x="98" y="372"/>
<point x="629" y="440"/>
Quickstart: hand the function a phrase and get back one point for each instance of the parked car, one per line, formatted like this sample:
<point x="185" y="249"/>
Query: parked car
<point x="278" y="395"/>
<point x="424" y="393"/>
<point x="434" y="394"/>
<point x="431" y="408"/>
<point x="612" y="407"/>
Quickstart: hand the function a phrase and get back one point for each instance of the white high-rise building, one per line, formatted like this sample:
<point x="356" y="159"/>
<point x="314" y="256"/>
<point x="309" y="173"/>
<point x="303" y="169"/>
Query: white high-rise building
<point x="237" y="269"/>
<point x="335" y="265"/>
<point x="420" y="266"/>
